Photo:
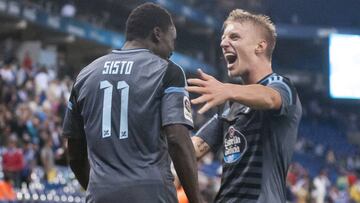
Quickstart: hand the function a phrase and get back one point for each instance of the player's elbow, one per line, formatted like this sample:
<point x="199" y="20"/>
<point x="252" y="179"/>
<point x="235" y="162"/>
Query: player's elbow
<point x="272" y="101"/>
<point x="269" y="102"/>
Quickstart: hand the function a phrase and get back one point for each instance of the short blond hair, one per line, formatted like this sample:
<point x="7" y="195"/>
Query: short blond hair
<point x="262" y="21"/>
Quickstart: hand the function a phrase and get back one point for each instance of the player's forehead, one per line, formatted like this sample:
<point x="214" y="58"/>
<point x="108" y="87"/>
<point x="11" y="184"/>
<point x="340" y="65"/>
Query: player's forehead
<point x="234" y="27"/>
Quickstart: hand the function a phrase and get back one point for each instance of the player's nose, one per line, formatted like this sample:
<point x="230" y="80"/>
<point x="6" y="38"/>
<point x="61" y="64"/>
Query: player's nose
<point x="224" y="43"/>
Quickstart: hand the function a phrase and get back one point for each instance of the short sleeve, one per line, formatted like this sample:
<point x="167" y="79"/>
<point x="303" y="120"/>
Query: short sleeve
<point x="287" y="92"/>
<point x="73" y="125"/>
<point x="175" y="103"/>
<point x="211" y="133"/>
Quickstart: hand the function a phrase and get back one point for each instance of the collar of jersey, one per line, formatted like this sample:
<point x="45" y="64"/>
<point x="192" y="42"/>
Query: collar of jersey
<point x="264" y="78"/>
<point x="129" y="50"/>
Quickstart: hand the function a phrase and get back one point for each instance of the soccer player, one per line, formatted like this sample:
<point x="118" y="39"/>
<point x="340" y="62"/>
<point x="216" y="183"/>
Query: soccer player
<point x="258" y="127"/>
<point x="128" y="113"/>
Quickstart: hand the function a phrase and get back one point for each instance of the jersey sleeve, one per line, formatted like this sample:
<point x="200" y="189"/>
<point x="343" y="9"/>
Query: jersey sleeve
<point x="287" y="92"/>
<point x="73" y="123"/>
<point x="211" y="133"/>
<point x="175" y="103"/>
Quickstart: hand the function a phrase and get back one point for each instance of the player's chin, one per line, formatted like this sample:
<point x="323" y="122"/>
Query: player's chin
<point x="231" y="70"/>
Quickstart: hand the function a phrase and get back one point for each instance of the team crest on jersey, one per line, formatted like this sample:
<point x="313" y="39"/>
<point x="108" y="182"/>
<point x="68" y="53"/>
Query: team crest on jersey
<point x="187" y="109"/>
<point x="235" y="145"/>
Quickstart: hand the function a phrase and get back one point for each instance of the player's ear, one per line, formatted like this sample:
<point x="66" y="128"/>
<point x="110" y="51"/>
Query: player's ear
<point x="156" y="34"/>
<point x="261" y="47"/>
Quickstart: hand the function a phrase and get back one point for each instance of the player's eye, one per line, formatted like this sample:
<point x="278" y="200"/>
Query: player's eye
<point x="234" y="37"/>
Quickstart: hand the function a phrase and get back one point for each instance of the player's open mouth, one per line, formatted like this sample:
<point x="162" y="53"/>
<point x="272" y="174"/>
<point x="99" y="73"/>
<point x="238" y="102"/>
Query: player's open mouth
<point x="230" y="59"/>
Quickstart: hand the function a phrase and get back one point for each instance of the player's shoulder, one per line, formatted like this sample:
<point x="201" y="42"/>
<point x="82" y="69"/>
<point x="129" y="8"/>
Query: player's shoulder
<point x="276" y="78"/>
<point x="88" y="70"/>
<point x="174" y="69"/>
<point x="174" y="74"/>
<point x="168" y="64"/>
<point x="282" y="83"/>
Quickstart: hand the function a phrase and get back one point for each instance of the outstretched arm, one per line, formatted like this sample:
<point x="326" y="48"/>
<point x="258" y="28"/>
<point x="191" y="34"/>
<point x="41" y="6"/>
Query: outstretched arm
<point x="214" y="93"/>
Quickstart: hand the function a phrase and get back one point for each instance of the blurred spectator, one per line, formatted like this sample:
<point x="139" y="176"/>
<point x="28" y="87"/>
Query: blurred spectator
<point x="300" y="145"/>
<point x="7" y="73"/>
<point x="321" y="184"/>
<point x="334" y="194"/>
<point x="13" y="161"/>
<point x="21" y="77"/>
<point x="48" y="160"/>
<point x="7" y="192"/>
<point x="291" y="176"/>
<point x="351" y="178"/>
<point x="330" y="157"/>
<point x="29" y="159"/>
<point x="41" y="81"/>
<point x="27" y="62"/>
<point x="342" y="181"/>
<point x="357" y="163"/>
<point x="301" y="189"/>
<point x="350" y="163"/>
<point x="319" y="150"/>
<point x="355" y="192"/>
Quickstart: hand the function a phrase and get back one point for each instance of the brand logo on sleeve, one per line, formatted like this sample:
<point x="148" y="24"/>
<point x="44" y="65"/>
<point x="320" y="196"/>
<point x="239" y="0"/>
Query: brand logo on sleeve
<point x="235" y="145"/>
<point x="187" y="109"/>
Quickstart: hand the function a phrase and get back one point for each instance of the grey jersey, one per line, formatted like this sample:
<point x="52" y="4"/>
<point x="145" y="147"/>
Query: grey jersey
<point x="257" y="146"/>
<point x="120" y="103"/>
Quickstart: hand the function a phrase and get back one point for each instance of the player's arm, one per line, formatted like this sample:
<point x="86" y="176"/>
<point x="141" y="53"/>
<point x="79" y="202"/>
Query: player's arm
<point x="182" y="154"/>
<point x="77" y="148"/>
<point x="255" y="96"/>
<point x="208" y="137"/>
<point x="200" y="146"/>
<point x="78" y="160"/>
<point x="214" y="93"/>
<point x="176" y="121"/>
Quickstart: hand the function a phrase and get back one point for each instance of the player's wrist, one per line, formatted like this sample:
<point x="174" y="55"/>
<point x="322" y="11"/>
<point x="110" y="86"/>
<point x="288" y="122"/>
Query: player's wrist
<point x="228" y="91"/>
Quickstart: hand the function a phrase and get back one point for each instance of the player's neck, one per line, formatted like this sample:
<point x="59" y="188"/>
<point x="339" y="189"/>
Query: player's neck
<point x="136" y="44"/>
<point x="258" y="71"/>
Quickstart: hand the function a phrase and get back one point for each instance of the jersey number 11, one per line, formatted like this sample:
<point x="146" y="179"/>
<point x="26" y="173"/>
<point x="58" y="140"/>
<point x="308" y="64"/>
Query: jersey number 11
<point x="106" y="114"/>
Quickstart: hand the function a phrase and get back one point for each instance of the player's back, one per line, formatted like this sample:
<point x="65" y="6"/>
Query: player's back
<point x="119" y="97"/>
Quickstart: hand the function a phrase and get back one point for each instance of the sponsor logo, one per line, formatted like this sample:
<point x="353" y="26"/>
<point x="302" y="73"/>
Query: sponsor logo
<point x="235" y="145"/>
<point x="187" y="109"/>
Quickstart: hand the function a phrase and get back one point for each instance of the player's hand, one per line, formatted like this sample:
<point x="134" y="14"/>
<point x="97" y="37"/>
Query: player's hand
<point x="212" y="91"/>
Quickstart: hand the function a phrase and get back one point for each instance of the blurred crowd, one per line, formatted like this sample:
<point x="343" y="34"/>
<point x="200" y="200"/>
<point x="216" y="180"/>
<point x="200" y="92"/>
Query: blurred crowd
<point x="32" y="104"/>
<point x="319" y="189"/>
<point x="336" y="180"/>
